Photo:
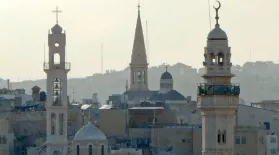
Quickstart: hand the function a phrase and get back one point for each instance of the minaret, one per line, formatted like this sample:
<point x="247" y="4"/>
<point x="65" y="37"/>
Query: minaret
<point x="218" y="98"/>
<point x="56" y="70"/>
<point x="138" y="65"/>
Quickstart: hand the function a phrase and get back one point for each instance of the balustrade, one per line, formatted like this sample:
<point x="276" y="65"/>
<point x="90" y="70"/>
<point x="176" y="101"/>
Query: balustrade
<point x="213" y="89"/>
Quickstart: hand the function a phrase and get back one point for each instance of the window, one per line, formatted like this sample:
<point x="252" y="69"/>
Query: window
<point x="273" y="151"/>
<point x="224" y="137"/>
<point x="237" y="140"/>
<point x="220" y="58"/>
<point x="102" y="150"/>
<point x="52" y="124"/>
<point x="219" y="136"/>
<point x="61" y="123"/>
<point x="243" y="140"/>
<point x="243" y="153"/>
<point x="56" y="58"/>
<point x="272" y="140"/>
<point x="90" y="150"/>
<point x="212" y="57"/>
<point x="139" y="77"/>
<point x="77" y="149"/>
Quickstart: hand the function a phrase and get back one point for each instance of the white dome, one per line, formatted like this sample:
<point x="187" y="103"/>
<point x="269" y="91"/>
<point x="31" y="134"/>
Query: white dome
<point x="217" y="34"/>
<point x="89" y="132"/>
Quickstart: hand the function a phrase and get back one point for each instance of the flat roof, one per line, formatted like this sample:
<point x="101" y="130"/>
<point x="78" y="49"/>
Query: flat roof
<point x="146" y="108"/>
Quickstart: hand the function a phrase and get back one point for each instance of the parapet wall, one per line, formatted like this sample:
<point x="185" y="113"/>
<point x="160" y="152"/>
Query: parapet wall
<point x="28" y="116"/>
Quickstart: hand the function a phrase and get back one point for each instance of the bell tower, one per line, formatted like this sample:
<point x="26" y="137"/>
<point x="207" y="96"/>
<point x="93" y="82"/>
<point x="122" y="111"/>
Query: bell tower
<point x="218" y="98"/>
<point x="57" y="104"/>
<point x="138" y="65"/>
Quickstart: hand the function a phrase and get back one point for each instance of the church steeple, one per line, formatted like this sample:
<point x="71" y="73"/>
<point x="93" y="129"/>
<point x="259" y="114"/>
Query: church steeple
<point x="139" y="51"/>
<point x="139" y="63"/>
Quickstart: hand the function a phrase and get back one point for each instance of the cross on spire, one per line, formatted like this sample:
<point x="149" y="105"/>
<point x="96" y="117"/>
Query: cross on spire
<point x="138" y="6"/>
<point x="56" y="12"/>
<point x="166" y="66"/>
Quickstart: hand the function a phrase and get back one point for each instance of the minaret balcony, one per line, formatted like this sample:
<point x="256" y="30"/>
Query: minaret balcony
<point x="205" y="89"/>
<point x="63" y="65"/>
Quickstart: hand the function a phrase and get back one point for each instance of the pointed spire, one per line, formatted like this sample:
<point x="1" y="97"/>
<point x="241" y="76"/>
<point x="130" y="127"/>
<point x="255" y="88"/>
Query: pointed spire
<point x="139" y="51"/>
<point x="217" y="15"/>
<point x="139" y="7"/>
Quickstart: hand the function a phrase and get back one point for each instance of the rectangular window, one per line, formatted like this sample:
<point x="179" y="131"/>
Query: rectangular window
<point x="273" y="151"/>
<point x="272" y="140"/>
<point x="53" y="123"/>
<point x="237" y="140"/>
<point x="243" y="140"/>
<point x="61" y="123"/>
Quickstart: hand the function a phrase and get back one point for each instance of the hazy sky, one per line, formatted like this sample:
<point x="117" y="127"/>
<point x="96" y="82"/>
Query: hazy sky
<point x="177" y="31"/>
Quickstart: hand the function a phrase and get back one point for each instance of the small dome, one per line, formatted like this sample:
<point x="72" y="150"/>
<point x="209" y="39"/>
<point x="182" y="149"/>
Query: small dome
<point x="166" y="76"/>
<point x="89" y="132"/>
<point x="56" y="29"/>
<point x="217" y="34"/>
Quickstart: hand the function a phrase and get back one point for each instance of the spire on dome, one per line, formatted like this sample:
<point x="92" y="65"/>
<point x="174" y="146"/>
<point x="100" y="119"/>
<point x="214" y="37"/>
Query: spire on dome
<point x="217" y="15"/>
<point x="139" y="52"/>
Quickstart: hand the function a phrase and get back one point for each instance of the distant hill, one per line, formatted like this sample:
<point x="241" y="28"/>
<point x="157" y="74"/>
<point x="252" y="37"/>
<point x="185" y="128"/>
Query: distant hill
<point x="258" y="81"/>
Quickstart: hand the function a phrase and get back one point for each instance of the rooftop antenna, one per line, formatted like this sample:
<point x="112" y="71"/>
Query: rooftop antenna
<point x="250" y="55"/>
<point x="73" y="95"/>
<point x="209" y="15"/>
<point x="126" y="86"/>
<point x="147" y="44"/>
<point x="44" y="52"/>
<point x="102" y="58"/>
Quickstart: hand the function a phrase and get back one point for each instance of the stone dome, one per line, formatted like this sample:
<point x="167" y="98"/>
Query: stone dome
<point x="56" y="29"/>
<point x="166" y="76"/>
<point x="217" y="34"/>
<point x="89" y="132"/>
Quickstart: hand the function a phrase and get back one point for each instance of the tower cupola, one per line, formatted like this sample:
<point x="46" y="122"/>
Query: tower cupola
<point x="166" y="82"/>
<point x="217" y="53"/>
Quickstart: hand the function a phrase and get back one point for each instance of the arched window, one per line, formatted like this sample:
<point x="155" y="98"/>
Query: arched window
<point x="90" y="150"/>
<point x="220" y="58"/>
<point x="102" y="150"/>
<point x="56" y="58"/>
<point x="224" y="136"/>
<point x="139" y="76"/>
<point x="213" y="59"/>
<point x="219" y="136"/>
<point x="77" y="149"/>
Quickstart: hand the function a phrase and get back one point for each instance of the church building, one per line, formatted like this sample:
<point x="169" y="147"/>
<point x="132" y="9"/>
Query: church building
<point x="139" y="90"/>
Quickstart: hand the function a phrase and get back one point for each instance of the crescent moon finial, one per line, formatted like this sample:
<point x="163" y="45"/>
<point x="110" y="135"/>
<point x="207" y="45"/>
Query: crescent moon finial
<point x="218" y="6"/>
<point x="217" y="16"/>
